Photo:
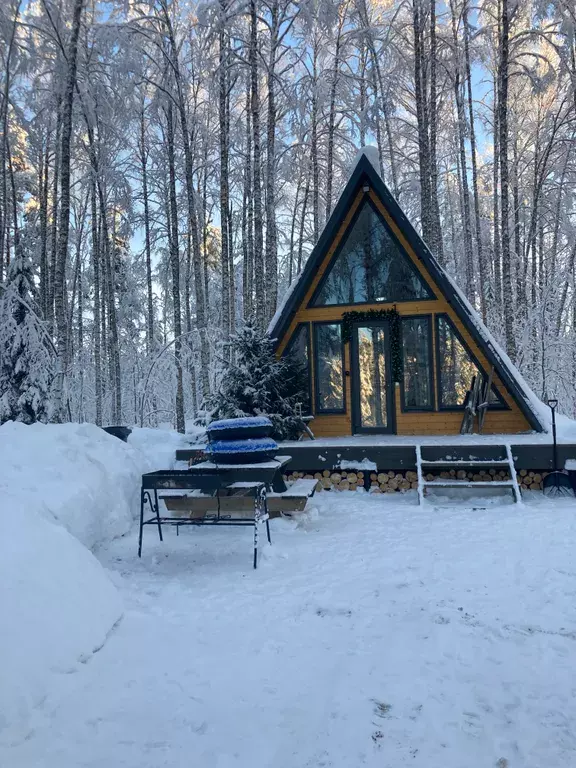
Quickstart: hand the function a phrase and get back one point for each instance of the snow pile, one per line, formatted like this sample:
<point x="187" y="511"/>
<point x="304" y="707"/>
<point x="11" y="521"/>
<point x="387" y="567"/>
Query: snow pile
<point x="60" y="485"/>
<point x="158" y="446"/>
<point x="86" y="479"/>
<point x="58" y="606"/>
<point x="370" y="152"/>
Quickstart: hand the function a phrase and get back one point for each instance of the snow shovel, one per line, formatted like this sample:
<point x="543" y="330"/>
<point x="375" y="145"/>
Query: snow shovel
<point x="557" y="483"/>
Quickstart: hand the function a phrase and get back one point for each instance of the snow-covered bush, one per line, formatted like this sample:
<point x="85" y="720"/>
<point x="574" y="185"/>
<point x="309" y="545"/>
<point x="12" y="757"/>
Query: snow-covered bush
<point x="260" y="384"/>
<point x="26" y="362"/>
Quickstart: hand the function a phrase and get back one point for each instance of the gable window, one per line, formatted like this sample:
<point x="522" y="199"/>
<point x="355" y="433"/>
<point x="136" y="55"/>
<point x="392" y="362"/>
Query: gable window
<point x="456" y="367"/>
<point x="417" y="378"/>
<point x="370" y="266"/>
<point x="299" y="348"/>
<point x="329" y="368"/>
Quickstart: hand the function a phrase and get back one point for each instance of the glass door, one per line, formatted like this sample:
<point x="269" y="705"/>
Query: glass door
<point x="372" y="389"/>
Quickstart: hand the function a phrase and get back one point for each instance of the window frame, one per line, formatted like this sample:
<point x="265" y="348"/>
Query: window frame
<point x="317" y="409"/>
<point x="367" y="201"/>
<point x="288" y="349"/>
<point x="500" y="406"/>
<point x="432" y="407"/>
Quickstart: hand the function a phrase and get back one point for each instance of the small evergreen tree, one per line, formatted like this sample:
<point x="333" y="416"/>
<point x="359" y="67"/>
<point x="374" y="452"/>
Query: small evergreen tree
<point x="260" y="384"/>
<point x="26" y="365"/>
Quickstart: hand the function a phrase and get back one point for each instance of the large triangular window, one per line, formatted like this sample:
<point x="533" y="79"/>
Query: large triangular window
<point x="370" y="266"/>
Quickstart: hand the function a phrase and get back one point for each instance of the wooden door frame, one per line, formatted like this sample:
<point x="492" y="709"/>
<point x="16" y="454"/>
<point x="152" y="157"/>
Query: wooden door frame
<point x="355" y="382"/>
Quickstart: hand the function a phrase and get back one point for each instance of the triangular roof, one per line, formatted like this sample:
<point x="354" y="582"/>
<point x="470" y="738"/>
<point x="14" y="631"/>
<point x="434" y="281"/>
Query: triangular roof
<point x="365" y="173"/>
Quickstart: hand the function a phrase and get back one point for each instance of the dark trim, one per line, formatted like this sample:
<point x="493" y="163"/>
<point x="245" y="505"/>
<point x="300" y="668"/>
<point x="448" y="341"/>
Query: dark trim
<point x="288" y="350"/>
<point x="413" y="409"/>
<point x="365" y="174"/>
<point x="366" y="201"/>
<point x="307" y="456"/>
<point x="503" y="406"/>
<point x="317" y="410"/>
<point x="357" y="427"/>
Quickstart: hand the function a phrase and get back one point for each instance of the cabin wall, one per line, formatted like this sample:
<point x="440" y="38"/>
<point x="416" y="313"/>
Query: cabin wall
<point x="413" y="422"/>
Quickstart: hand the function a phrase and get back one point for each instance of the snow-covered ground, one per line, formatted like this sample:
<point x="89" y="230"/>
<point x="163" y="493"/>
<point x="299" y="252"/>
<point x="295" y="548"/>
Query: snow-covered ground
<point x="374" y="633"/>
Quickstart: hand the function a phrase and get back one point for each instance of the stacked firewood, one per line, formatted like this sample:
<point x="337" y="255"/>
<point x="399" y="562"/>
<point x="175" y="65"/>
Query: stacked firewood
<point x="530" y="481"/>
<point x="393" y="481"/>
<point x="475" y="476"/>
<point x="375" y="482"/>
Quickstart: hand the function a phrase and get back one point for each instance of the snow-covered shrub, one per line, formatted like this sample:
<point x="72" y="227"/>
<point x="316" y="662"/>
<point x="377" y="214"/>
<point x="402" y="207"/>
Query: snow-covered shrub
<point x="260" y="384"/>
<point x="26" y="362"/>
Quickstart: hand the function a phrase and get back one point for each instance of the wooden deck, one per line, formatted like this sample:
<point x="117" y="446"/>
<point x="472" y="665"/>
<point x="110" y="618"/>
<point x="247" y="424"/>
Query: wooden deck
<point x="395" y="452"/>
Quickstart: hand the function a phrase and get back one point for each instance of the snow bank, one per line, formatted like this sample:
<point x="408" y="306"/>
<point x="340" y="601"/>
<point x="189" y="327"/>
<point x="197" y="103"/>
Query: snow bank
<point x="62" y="487"/>
<point x="158" y="446"/>
<point x="84" y="478"/>
<point x="58" y="605"/>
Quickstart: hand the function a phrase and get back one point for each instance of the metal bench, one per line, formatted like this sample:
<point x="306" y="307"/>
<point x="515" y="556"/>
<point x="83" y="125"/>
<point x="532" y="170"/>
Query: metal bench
<point x="213" y="488"/>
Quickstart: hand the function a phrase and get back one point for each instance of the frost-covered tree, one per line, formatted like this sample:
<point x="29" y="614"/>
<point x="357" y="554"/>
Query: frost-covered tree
<point x="260" y="384"/>
<point x="26" y="365"/>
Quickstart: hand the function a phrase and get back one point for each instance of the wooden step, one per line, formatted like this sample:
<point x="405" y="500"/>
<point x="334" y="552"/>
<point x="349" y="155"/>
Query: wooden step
<point x="460" y="463"/>
<point x="468" y="483"/>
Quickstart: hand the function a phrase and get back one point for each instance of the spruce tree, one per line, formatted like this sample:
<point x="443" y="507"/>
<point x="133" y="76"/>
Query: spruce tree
<point x="26" y="365"/>
<point x="259" y="383"/>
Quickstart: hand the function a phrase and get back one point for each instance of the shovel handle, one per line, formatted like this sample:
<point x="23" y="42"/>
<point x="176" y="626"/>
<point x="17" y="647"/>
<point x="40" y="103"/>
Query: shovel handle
<point x="553" y="404"/>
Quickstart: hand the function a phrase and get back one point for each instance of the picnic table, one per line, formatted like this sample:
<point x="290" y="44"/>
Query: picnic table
<point x="218" y="494"/>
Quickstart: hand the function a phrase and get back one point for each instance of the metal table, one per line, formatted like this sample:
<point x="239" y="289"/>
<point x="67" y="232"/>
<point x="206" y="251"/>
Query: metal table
<point x="213" y="481"/>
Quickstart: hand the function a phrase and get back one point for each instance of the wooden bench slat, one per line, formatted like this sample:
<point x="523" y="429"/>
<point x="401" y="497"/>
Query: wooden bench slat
<point x="300" y="489"/>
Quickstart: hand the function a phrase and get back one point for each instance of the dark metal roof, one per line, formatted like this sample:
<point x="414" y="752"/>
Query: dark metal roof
<point x="365" y="173"/>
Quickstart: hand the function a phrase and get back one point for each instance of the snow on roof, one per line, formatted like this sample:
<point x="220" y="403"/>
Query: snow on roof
<point x="283" y="303"/>
<point x="371" y="154"/>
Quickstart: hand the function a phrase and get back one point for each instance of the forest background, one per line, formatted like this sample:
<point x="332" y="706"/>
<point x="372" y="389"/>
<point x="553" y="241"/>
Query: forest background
<point x="166" y="168"/>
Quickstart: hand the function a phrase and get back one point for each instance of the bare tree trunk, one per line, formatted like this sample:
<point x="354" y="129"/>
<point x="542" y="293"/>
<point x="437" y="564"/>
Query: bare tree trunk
<point x="271" y="231"/>
<point x="508" y="304"/>
<point x="435" y="225"/>
<point x="62" y="249"/>
<point x="362" y="96"/>
<point x="175" y="266"/>
<point x="191" y="199"/>
<point x="4" y="109"/>
<point x="55" y="215"/>
<point x="96" y="261"/>
<point x="520" y="277"/>
<point x="259" y="285"/>
<point x="482" y="265"/>
<point x="302" y="224"/>
<point x="147" y="239"/>
<point x="114" y="344"/>
<point x="189" y="339"/>
<point x="422" y="119"/>
<point x="467" y="223"/>
<point x="334" y="79"/>
<point x="314" y="142"/>
<point x="497" y="304"/>
<point x="43" y="216"/>
<point x="224" y="183"/>
<point x="248" y="215"/>
<point x="292" y="233"/>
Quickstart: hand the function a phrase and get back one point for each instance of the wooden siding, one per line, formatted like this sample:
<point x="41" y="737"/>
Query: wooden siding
<point x="510" y="421"/>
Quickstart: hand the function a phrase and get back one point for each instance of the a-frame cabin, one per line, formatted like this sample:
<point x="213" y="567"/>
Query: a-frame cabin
<point x="390" y="343"/>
